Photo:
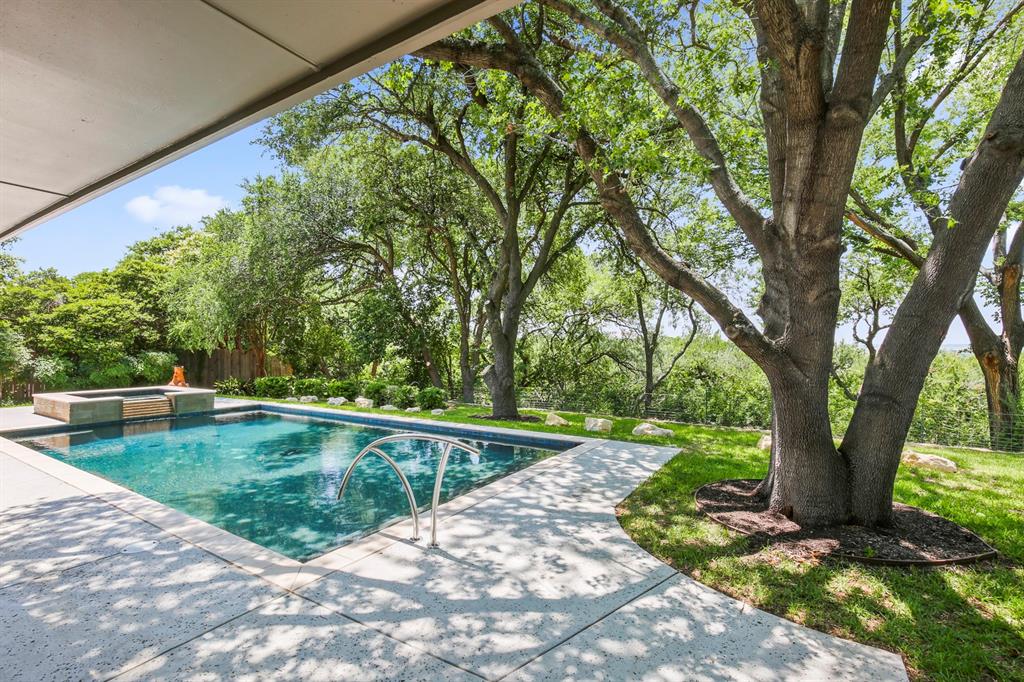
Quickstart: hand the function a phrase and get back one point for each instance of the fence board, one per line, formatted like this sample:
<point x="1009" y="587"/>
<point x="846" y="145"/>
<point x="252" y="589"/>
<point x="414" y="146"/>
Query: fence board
<point x="203" y="370"/>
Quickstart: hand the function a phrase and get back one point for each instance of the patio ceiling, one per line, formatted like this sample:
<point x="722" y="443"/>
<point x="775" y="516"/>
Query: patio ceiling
<point x="95" y="94"/>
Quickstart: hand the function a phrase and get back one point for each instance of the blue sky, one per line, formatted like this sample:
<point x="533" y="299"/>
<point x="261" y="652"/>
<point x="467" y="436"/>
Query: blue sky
<point x="95" y="235"/>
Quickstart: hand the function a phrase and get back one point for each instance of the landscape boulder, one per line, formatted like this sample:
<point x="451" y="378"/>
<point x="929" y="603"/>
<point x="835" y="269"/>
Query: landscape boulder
<point x="337" y="401"/>
<point x="412" y="409"/>
<point x="363" y="402"/>
<point x="554" y="420"/>
<point x="291" y="399"/>
<point x="648" y="429"/>
<point x="437" y="410"/>
<point x="308" y="399"/>
<point x="598" y="424"/>
<point x="765" y="443"/>
<point x="920" y="459"/>
<point x="389" y="408"/>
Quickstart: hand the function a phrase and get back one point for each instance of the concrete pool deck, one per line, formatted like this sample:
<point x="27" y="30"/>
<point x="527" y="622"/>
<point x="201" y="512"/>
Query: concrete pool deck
<point x="534" y="579"/>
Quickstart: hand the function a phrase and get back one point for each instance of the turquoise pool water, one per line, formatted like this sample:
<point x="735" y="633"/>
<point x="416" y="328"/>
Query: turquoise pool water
<point x="274" y="478"/>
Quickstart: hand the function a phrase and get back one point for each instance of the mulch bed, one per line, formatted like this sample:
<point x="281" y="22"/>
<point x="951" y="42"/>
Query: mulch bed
<point x="917" y="537"/>
<point x="520" y="418"/>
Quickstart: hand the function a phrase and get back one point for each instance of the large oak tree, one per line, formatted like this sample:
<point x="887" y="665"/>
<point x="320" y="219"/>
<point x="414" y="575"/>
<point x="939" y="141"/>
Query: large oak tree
<point x="819" y="74"/>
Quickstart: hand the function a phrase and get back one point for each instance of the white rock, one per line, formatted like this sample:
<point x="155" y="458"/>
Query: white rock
<point x="598" y="424"/>
<point x="920" y="459"/>
<point x="554" y="420"/>
<point x="412" y="409"/>
<point x="308" y="399"/>
<point x="363" y="402"/>
<point x="291" y="399"/>
<point x="765" y="443"/>
<point x="437" y="410"/>
<point x="389" y="408"/>
<point x="337" y="401"/>
<point x="648" y="429"/>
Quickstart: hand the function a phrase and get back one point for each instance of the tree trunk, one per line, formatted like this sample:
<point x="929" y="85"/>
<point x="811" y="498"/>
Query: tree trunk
<point x="808" y="484"/>
<point x="467" y="377"/>
<point x="261" y="360"/>
<point x="1002" y="388"/>
<point x="500" y="376"/>
<point x="432" y="371"/>
<point x="467" y="366"/>
<point x="998" y="356"/>
<point x="469" y="356"/>
<point x="648" y="378"/>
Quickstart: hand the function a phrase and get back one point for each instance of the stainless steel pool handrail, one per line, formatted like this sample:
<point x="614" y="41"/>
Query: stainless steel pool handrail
<point x="449" y="443"/>
<point x="372" y="447"/>
<point x="442" y="464"/>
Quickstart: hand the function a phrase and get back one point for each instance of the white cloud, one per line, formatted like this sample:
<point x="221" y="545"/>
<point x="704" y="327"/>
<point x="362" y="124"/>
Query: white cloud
<point x="174" y="205"/>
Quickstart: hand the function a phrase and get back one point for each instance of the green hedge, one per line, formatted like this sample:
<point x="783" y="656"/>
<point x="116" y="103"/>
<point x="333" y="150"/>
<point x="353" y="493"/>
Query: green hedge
<point x="430" y="398"/>
<point x="272" y="387"/>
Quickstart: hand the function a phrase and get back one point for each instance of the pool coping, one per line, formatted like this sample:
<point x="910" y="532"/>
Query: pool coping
<point x="274" y="567"/>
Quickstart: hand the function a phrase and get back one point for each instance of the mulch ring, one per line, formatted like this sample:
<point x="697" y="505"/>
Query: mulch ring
<point x="916" y="538"/>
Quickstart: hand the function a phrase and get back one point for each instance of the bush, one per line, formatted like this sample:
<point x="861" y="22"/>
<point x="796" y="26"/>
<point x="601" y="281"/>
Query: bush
<point x="110" y="374"/>
<point x="310" y="386"/>
<point x="342" y="388"/>
<point x="402" y="396"/>
<point x="376" y="391"/>
<point x="430" y="398"/>
<point x="230" y="386"/>
<point x="52" y="372"/>
<point x="156" y="367"/>
<point x="271" y="387"/>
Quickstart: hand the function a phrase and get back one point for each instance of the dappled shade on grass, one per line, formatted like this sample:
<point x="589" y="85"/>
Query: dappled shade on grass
<point x="949" y="624"/>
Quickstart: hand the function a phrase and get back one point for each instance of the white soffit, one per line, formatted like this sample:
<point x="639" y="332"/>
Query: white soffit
<point x="95" y="93"/>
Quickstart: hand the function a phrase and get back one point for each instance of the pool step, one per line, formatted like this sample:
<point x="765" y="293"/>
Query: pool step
<point x="150" y="406"/>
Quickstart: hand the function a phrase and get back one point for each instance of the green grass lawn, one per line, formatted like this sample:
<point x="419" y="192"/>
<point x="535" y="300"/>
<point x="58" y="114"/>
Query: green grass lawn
<point x="957" y="623"/>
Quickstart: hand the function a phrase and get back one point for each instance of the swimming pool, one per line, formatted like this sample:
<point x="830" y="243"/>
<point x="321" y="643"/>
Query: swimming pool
<point x="273" y="478"/>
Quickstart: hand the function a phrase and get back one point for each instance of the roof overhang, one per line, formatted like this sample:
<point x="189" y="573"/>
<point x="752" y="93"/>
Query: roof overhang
<point x="95" y="94"/>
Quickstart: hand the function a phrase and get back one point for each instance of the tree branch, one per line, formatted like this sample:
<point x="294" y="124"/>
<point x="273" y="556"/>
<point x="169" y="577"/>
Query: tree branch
<point x="614" y="198"/>
<point x="627" y="37"/>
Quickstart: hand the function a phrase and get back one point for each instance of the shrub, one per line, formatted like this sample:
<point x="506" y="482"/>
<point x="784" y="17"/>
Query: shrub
<point x="271" y="387"/>
<point x="342" y="388"/>
<point x="376" y="391"/>
<point x="52" y="372"/>
<point x="310" y="386"/>
<point x="430" y="398"/>
<point x="109" y="374"/>
<point x="402" y="396"/>
<point x="229" y="386"/>
<point x="156" y="367"/>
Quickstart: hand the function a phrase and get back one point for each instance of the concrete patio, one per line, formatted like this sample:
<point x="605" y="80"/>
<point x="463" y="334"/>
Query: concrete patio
<point x="534" y="580"/>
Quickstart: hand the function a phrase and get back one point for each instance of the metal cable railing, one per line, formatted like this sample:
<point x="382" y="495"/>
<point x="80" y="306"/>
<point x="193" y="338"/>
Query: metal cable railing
<point x="964" y="425"/>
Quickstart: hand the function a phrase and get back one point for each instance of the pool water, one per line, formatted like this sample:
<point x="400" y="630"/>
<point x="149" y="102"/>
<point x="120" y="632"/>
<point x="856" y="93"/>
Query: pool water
<point x="273" y="478"/>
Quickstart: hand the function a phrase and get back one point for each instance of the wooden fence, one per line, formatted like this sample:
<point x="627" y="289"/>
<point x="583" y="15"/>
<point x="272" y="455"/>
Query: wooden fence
<point x="18" y="392"/>
<point x="203" y="370"/>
